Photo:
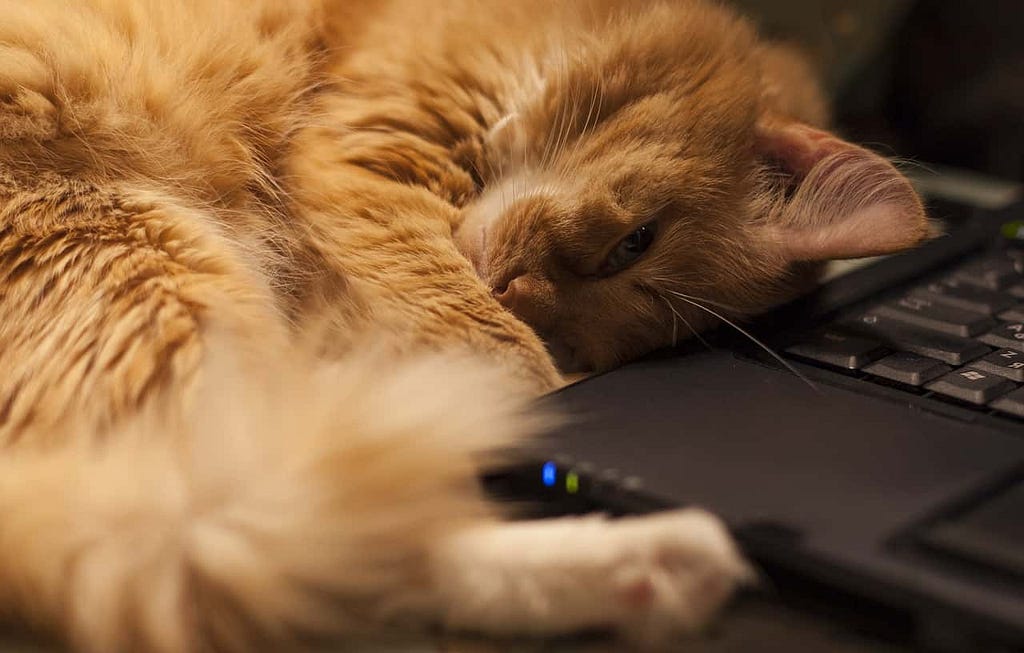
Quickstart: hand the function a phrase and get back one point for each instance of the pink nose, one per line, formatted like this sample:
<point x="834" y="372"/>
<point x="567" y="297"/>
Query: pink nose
<point x="511" y="291"/>
<point x="529" y="296"/>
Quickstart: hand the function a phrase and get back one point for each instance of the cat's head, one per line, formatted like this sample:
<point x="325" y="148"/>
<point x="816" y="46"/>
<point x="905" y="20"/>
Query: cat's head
<point x="662" y="164"/>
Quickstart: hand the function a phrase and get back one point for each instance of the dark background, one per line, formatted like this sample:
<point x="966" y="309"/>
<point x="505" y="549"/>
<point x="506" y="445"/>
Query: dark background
<point x="935" y="81"/>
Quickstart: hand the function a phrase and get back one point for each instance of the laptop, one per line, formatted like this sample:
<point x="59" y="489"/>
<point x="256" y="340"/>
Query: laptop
<point x="879" y="455"/>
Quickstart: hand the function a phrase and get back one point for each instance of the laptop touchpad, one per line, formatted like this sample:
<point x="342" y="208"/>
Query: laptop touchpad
<point x="990" y="532"/>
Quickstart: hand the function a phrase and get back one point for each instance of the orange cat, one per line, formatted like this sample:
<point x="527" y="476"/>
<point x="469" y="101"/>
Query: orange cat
<point x="228" y="240"/>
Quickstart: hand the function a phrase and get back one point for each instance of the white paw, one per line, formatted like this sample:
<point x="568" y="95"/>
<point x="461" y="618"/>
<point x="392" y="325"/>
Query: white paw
<point x="673" y="573"/>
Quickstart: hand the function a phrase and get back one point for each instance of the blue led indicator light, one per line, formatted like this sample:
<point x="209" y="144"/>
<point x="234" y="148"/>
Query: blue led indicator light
<point x="548" y="474"/>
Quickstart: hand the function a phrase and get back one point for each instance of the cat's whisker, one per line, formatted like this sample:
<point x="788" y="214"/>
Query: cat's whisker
<point x="676" y="315"/>
<point x="586" y="124"/>
<point x="750" y="337"/>
<point x="574" y="122"/>
<point x="477" y="175"/>
<point x="593" y="112"/>
<point x="565" y="127"/>
<point x="497" y="178"/>
<point x="710" y="302"/>
<point x="489" y="158"/>
<point x="501" y="176"/>
<point x="547" y="141"/>
<point x="586" y="119"/>
<point x="514" y="188"/>
<point x="547" y="147"/>
<point x="596" y="102"/>
<point x="675" y="322"/>
<point x="556" y="128"/>
<point x="559" y="130"/>
<point x="556" y="125"/>
<point x="570" y="122"/>
<point x="571" y="111"/>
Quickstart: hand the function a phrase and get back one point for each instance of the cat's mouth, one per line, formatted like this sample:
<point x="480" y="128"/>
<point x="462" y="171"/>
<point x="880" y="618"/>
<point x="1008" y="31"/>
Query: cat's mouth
<point x="564" y="357"/>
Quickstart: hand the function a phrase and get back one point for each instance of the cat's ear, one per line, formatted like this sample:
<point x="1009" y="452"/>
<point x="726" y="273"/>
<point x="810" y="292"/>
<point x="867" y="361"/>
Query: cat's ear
<point x="846" y="201"/>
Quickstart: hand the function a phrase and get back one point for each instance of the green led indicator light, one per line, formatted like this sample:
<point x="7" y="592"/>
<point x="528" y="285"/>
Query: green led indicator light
<point x="572" y="483"/>
<point x="1014" y="230"/>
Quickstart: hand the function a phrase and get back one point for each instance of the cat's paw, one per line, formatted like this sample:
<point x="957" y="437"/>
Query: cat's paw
<point x="675" y="572"/>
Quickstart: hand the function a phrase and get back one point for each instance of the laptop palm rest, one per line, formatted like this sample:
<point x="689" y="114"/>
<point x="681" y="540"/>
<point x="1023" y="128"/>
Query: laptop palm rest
<point x="988" y="532"/>
<point x="843" y="477"/>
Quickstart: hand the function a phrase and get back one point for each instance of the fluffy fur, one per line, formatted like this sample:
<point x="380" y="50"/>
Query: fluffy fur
<point x="211" y="210"/>
<point x="676" y="117"/>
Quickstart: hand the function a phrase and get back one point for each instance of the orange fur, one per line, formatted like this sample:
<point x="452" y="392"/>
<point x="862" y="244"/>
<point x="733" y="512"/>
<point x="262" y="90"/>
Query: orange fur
<point x="208" y="208"/>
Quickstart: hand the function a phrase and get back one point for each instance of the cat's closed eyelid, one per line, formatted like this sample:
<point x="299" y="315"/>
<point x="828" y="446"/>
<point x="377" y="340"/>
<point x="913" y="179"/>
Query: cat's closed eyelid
<point x="628" y="249"/>
<point x="655" y="218"/>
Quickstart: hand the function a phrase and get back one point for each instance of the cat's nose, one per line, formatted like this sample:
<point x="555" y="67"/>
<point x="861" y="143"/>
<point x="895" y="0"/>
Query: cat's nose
<point x="529" y="296"/>
<point x="509" y="290"/>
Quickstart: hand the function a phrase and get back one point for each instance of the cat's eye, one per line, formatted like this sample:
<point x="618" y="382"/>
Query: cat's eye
<point x="629" y="249"/>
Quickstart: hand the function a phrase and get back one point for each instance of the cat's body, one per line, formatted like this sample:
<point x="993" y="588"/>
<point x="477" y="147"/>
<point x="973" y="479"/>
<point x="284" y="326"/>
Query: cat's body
<point x="228" y="228"/>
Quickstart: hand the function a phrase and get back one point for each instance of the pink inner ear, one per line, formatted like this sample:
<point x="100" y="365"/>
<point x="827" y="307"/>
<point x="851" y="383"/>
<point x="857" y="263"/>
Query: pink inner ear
<point x="798" y="147"/>
<point x="849" y="202"/>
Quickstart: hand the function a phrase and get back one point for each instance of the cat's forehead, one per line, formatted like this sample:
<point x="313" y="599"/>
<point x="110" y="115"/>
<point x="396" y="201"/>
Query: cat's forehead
<point x="587" y="116"/>
<point x="642" y="56"/>
<point x="616" y="129"/>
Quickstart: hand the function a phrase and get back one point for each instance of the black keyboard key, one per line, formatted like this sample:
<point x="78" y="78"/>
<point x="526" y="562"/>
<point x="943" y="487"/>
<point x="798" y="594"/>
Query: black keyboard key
<point x="990" y="533"/>
<point x="840" y="349"/>
<point x="1012" y="403"/>
<point x="908" y="368"/>
<point x="965" y="296"/>
<point x="992" y="273"/>
<point x="1015" y="255"/>
<point x="898" y="335"/>
<point x="1013" y="314"/>
<point x="936" y="317"/>
<point x="1016" y="290"/>
<point x="1006" y="363"/>
<point x="1009" y="335"/>
<point x="972" y="385"/>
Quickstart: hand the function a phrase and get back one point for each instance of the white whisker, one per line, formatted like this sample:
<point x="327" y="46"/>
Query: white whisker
<point x="675" y="322"/>
<point x="569" y="106"/>
<point x="668" y="282"/>
<point x="677" y="314"/>
<point x="757" y="342"/>
<point x="590" y="114"/>
<point x="555" y="126"/>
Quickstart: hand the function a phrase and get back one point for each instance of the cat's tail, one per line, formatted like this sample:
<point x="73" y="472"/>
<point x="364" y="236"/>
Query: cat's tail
<point x="284" y="506"/>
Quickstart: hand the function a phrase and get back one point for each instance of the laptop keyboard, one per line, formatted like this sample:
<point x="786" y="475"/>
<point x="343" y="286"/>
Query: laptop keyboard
<point x="956" y="337"/>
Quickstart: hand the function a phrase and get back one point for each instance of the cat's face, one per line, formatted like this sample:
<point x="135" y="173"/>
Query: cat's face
<point x="652" y="174"/>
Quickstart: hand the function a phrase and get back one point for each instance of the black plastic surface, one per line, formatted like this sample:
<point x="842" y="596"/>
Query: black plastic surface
<point x="834" y="482"/>
<point x="990" y="532"/>
<point x="839" y="475"/>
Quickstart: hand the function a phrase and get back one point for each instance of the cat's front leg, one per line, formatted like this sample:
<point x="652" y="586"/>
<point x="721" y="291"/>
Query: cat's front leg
<point x="647" y="577"/>
<point x="389" y="269"/>
<point x="427" y="308"/>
